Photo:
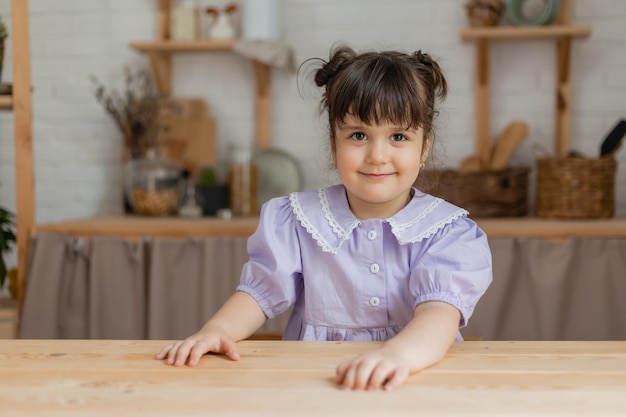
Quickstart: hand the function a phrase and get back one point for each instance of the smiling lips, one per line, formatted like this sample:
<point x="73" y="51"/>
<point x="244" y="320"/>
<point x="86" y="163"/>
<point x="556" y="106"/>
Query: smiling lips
<point x="376" y="176"/>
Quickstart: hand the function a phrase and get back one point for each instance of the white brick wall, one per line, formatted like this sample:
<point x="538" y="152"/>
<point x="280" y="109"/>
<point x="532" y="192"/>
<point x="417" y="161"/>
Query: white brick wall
<point x="77" y="148"/>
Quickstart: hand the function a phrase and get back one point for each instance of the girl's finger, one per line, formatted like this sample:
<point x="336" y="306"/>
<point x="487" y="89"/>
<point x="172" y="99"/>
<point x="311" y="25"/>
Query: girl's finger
<point x="340" y="373"/>
<point x="171" y="354"/>
<point x="364" y="373"/>
<point x="163" y="353"/>
<point x="231" y="350"/>
<point x="381" y="373"/>
<point x="399" y="376"/>
<point x="348" y="376"/>
<point x="197" y="351"/>
<point x="183" y="352"/>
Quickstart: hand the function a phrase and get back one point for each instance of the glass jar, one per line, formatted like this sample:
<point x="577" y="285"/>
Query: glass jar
<point x="152" y="184"/>
<point x="242" y="182"/>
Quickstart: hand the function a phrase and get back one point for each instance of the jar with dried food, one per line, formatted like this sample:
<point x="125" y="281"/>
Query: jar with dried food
<point x="152" y="184"/>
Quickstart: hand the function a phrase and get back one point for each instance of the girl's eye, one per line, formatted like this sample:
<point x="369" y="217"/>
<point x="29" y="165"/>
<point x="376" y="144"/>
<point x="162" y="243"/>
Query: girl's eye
<point x="398" y="137"/>
<point x="358" y="136"/>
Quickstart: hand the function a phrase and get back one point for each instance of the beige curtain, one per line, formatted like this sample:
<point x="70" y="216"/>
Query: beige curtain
<point x="111" y="288"/>
<point x="572" y="289"/>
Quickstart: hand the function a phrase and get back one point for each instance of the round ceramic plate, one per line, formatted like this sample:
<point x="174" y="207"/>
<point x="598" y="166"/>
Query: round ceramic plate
<point x="279" y="174"/>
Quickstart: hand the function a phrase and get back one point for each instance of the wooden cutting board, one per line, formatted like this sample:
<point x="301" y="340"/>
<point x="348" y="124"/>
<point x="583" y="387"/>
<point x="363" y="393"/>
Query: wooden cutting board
<point x="188" y="133"/>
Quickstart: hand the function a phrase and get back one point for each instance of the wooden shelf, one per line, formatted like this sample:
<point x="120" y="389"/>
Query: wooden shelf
<point x="133" y="227"/>
<point x="562" y="33"/>
<point x="525" y="33"/>
<point x="183" y="46"/>
<point x="553" y="228"/>
<point x="6" y="102"/>
<point x="160" y="53"/>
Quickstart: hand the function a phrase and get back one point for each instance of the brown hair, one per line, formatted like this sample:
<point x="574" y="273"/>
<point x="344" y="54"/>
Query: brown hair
<point x="381" y="86"/>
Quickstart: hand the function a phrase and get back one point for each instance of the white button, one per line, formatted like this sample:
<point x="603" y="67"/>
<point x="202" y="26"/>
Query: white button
<point x="374" y="301"/>
<point x="374" y="268"/>
<point x="371" y="235"/>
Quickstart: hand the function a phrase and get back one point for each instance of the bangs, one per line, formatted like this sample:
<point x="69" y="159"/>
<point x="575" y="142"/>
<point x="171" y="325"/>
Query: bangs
<point x="376" y="91"/>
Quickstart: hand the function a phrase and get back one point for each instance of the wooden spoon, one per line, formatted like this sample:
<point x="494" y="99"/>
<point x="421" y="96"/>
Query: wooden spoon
<point x="506" y="144"/>
<point x="470" y="164"/>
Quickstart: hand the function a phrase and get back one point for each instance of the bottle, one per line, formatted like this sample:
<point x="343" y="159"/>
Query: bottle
<point x="242" y="181"/>
<point x="261" y="20"/>
<point x="185" y="21"/>
<point x="189" y="206"/>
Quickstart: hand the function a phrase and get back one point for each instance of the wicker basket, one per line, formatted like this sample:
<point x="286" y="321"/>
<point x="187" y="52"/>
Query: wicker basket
<point x="575" y="188"/>
<point x="502" y="193"/>
<point x="484" y="12"/>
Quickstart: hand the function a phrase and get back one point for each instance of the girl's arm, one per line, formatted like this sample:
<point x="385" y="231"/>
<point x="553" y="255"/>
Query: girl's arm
<point x="237" y="319"/>
<point x="422" y="343"/>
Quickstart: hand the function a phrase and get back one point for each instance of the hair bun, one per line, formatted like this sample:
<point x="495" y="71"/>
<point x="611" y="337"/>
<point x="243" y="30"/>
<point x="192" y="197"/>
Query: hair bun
<point x="338" y="58"/>
<point x="434" y="71"/>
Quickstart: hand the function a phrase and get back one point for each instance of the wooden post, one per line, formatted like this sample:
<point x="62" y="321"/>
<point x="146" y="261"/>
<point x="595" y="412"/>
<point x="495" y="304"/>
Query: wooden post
<point x="563" y="98"/>
<point x="24" y="170"/>
<point x="483" y="141"/>
<point x="263" y="105"/>
<point x="565" y="13"/>
<point x="563" y="90"/>
<point x="163" y="20"/>
<point x="161" y="63"/>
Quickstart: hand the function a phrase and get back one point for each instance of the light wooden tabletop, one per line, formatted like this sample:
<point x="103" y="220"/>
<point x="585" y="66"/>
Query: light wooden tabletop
<point x="121" y="378"/>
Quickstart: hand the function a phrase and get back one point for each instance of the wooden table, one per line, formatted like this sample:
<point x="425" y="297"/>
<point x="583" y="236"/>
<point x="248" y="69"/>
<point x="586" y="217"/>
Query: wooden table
<point x="121" y="378"/>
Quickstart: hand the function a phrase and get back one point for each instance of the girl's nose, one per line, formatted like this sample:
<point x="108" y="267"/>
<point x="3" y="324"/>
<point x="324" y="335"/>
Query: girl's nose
<point x="377" y="152"/>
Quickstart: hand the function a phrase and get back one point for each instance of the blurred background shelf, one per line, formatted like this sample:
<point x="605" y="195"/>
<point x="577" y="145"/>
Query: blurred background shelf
<point x="183" y="46"/>
<point x="133" y="227"/>
<point x="525" y="33"/>
<point x="6" y="102"/>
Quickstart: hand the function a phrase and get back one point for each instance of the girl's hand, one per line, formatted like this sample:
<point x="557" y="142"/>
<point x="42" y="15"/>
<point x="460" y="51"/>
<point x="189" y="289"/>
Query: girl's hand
<point x="379" y="368"/>
<point x="190" y="350"/>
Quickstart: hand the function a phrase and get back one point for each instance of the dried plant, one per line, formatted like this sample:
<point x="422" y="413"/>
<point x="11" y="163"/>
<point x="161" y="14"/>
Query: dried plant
<point x="135" y="111"/>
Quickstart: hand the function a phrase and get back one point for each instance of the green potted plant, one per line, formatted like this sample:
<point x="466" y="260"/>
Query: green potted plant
<point x="7" y="239"/>
<point x="212" y="195"/>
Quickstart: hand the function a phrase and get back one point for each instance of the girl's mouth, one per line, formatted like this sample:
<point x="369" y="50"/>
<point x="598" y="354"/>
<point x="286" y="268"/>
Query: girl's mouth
<point x="376" y="176"/>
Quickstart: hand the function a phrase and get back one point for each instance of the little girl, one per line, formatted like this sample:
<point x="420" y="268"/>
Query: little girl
<point x="371" y="258"/>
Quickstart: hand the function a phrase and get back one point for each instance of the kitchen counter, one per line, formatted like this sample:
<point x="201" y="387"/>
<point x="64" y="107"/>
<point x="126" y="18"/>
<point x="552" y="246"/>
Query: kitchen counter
<point x="175" y="227"/>
<point x="121" y="378"/>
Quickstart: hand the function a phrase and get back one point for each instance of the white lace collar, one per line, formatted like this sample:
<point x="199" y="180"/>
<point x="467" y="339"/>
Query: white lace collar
<point x="326" y="216"/>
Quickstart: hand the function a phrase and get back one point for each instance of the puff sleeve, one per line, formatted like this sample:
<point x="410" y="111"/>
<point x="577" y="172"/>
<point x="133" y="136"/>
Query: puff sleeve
<point x="454" y="267"/>
<point x="273" y="274"/>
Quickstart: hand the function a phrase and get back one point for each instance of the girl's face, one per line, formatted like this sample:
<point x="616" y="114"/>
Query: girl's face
<point x="378" y="165"/>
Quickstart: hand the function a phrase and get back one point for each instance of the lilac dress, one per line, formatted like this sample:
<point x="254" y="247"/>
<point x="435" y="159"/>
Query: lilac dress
<point x="351" y="279"/>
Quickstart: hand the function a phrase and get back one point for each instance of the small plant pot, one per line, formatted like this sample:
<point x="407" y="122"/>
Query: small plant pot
<point x="212" y="198"/>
